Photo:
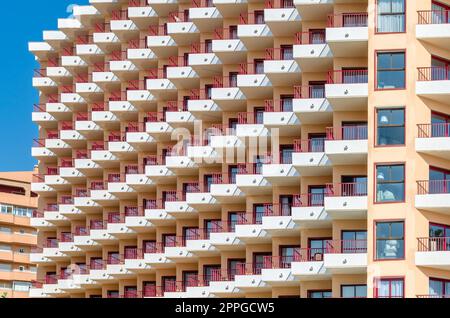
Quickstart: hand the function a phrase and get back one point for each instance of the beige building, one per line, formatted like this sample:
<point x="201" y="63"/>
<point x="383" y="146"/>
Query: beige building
<point x="17" y="238"/>
<point x="222" y="148"/>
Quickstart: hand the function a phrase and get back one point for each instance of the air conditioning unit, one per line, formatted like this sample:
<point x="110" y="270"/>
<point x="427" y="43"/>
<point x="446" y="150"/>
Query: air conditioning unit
<point x="21" y="268"/>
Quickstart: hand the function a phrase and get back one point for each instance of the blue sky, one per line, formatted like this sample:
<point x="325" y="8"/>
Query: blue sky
<point x="25" y="22"/>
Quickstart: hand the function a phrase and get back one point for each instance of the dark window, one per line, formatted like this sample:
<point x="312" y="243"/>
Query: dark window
<point x="233" y="268"/>
<point x="316" y="195"/>
<point x="258" y="213"/>
<point x="390" y="70"/>
<point x="208" y="180"/>
<point x="233" y="31"/>
<point x="259" y="16"/>
<point x="210" y="273"/>
<point x="233" y="79"/>
<point x="390" y="127"/>
<point x="112" y="294"/>
<point x="190" y="279"/>
<point x="259" y="115"/>
<point x="232" y="172"/>
<point x="235" y="218"/>
<point x="149" y="247"/>
<point x="440" y="13"/>
<point x="353" y="186"/>
<point x="169" y="283"/>
<point x="288" y="254"/>
<point x="169" y="240"/>
<point x="258" y="66"/>
<point x="354" y="291"/>
<point x="390" y="183"/>
<point x="319" y="294"/>
<point x="211" y="226"/>
<point x="286" y="52"/>
<point x="390" y="240"/>
<point x="317" y="247"/>
<point x="391" y="16"/>
<point x="259" y="261"/>
<point x="439" y="287"/>
<point x="286" y="152"/>
<point x="440" y="125"/>
<point x="316" y="142"/>
<point x="439" y="181"/>
<point x="354" y="242"/>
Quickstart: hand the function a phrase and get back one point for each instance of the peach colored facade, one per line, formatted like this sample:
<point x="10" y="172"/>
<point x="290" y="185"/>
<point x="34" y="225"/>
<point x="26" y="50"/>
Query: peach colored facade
<point x="222" y="148"/>
<point x="17" y="237"/>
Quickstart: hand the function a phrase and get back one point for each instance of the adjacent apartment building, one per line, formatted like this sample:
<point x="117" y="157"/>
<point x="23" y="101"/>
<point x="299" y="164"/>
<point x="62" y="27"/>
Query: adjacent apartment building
<point x="223" y="148"/>
<point x="17" y="238"/>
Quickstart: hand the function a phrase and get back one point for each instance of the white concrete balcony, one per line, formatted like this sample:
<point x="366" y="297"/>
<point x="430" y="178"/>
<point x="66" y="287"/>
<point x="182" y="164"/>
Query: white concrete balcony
<point x="41" y="153"/>
<point x="106" y="41"/>
<point x="278" y="223"/>
<point x="39" y="258"/>
<point x="55" y="217"/>
<point x="54" y="254"/>
<point x="86" y="204"/>
<point x="72" y="99"/>
<point x="102" y="276"/>
<point x="37" y="293"/>
<point x="227" y="143"/>
<point x="142" y="99"/>
<point x="163" y="7"/>
<point x="203" y="62"/>
<point x="103" y="197"/>
<point x="181" y="165"/>
<point x="433" y="195"/>
<point x="308" y="265"/>
<point x="52" y="290"/>
<point x="162" y="88"/>
<point x="433" y="252"/>
<point x="159" y="173"/>
<point x="69" y="26"/>
<point x="346" y="257"/>
<point x="230" y="8"/>
<point x="161" y="44"/>
<point x="124" y="27"/>
<point x="86" y="243"/>
<point x="90" y="128"/>
<point x="121" y="190"/>
<point x="251" y="181"/>
<point x="179" y="118"/>
<point x="205" y="109"/>
<point x="124" y="110"/>
<point x="40" y="49"/>
<point x="184" y="77"/>
<point x="43" y="189"/>
<point x="309" y="158"/>
<point x="179" y="254"/>
<point x="226" y="240"/>
<point x="254" y="86"/>
<point x="249" y="282"/>
<point x="89" y="52"/>
<point x="159" y="217"/>
<point x="433" y="28"/>
<point x="255" y="35"/>
<point x="70" y="248"/>
<point x="348" y="34"/>
<point x="434" y="140"/>
<point x="309" y="211"/>
<point x="73" y="138"/>
<point x="69" y="210"/>
<point x="58" y="110"/>
<point x="59" y="74"/>
<point x="84" y="280"/>
<point x="252" y="233"/>
<point x="282" y="21"/>
<point x="204" y="155"/>
<point x="433" y="83"/>
<point x="105" y="158"/>
<point x="279" y="115"/>
<point x="206" y="18"/>
<point x="225" y="288"/>
<point x="103" y="237"/>
<point x="122" y="150"/>
<point x="68" y="285"/>
<point x="346" y="201"/>
<point x="43" y="118"/>
<point x="90" y="91"/>
<point x="227" y="97"/>
<point x="226" y="190"/>
<point x="73" y="62"/>
<point x="312" y="53"/>
<point x="280" y="174"/>
<point x="314" y="10"/>
<point x="177" y="206"/>
<point x="228" y="48"/>
<point x="105" y="5"/>
<point x="139" y="224"/>
<point x="347" y="90"/>
<point x="347" y="145"/>
<point x="278" y="276"/>
<point x="139" y="182"/>
<point x="158" y="260"/>
<point x="106" y="80"/>
<point x="44" y="84"/>
<point x="120" y="230"/>
<point x="87" y="167"/>
<point x="41" y="223"/>
<point x="138" y="265"/>
<point x="58" y="146"/>
<point x="142" y="15"/>
<point x="119" y="271"/>
<point x="125" y="70"/>
<point x="201" y="246"/>
<point x="202" y="201"/>
<point x="281" y="70"/>
<point x="143" y="58"/>
<point x="182" y="31"/>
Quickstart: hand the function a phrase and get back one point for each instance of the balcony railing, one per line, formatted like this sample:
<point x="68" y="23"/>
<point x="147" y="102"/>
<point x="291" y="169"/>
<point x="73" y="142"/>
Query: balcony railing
<point x="433" y="187"/>
<point x="157" y="30"/>
<point x="309" y="200"/>
<point x="433" y="16"/>
<point x="346" y="246"/>
<point x="353" y="76"/>
<point x="119" y="15"/>
<point x="309" y="91"/>
<point x="310" y="37"/>
<point x="353" y="189"/>
<point x="284" y="4"/>
<point x="433" y="244"/>
<point x="225" y="34"/>
<point x="434" y="130"/>
<point x="433" y="73"/>
<point x="251" y="18"/>
<point x="309" y="145"/>
<point x="351" y="132"/>
<point x="279" y="54"/>
<point x="357" y="19"/>
<point x="137" y="3"/>
<point x="434" y="296"/>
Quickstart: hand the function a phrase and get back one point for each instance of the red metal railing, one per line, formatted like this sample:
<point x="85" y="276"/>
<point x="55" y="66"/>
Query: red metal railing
<point x="140" y="43"/>
<point x="309" y="145"/>
<point x="434" y="296"/>
<point x="179" y="16"/>
<point x="353" y="76"/>
<point x="225" y="34"/>
<point x="84" y="39"/>
<point x="178" y="61"/>
<point x="308" y="200"/>
<point x="250" y="68"/>
<point x="279" y="54"/>
<point x="251" y="18"/>
<point x="102" y="27"/>
<point x="433" y="244"/>
<point x="357" y="19"/>
<point x="278" y="105"/>
<point x="118" y="55"/>
<point x="285" y="4"/>
<point x="434" y="73"/>
<point x="309" y="91"/>
<point x="433" y="16"/>
<point x="158" y="30"/>
<point x="351" y="132"/>
<point x="346" y="246"/>
<point x="119" y="15"/>
<point x="202" y="3"/>
<point x="40" y="72"/>
<point x="433" y="130"/>
<point x="433" y="187"/>
<point x="310" y="37"/>
<point x="66" y="199"/>
<point x="137" y="3"/>
<point x="67" y="51"/>
<point x="351" y="189"/>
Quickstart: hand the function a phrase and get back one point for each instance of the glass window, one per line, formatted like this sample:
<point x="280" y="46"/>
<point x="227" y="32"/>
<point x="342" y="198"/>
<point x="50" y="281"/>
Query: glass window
<point x="390" y="183"/>
<point x="389" y="288"/>
<point x="390" y="240"/>
<point x="390" y="127"/>
<point x="286" y="152"/>
<point x="440" y="13"/>
<point x="391" y="16"/>
<point x="439" y="181"/>
<point x="354" y="291"/>
<point x="258" y="213"/>
<point x="210" y="272"/>
<point x="21" y="286"/>
<point x="390" y="70"/>
<point x="259" y="261"/>
<point x="354" y="242"/>
<point x="439" y="287"/>
<point x="319" y="294"/>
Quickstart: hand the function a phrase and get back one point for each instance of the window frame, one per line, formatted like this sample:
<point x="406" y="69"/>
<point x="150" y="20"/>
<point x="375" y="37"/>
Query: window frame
<point x="405" y="8"/>
<point x="377" y="109"/>
<point x="377" y="281"/>
<point x="393" y="51"/>
<point x="375" y="256"/>
<point x="375" y="183"/>
<point x="352" y="285"/>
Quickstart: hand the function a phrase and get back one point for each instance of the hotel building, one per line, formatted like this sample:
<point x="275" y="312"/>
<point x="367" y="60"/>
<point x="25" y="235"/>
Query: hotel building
<point x="244" y="148"/>
<point x="17" y="238"/>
